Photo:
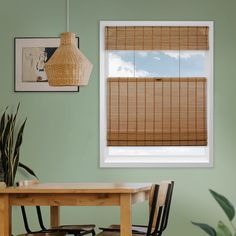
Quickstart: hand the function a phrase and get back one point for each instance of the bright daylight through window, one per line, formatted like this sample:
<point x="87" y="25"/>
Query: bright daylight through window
<point x="156" y="94"/>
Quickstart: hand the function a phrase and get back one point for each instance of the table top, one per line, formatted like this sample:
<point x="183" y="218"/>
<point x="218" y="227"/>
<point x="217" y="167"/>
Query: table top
<point x="79" y="188"/>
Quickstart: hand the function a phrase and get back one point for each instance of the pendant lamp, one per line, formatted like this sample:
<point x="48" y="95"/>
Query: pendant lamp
<point x="68" y="66"/>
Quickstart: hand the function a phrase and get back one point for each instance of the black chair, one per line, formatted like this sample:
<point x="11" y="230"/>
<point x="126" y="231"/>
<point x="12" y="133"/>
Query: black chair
<point x="159" y="202"/>
<point x="76" y="230"/>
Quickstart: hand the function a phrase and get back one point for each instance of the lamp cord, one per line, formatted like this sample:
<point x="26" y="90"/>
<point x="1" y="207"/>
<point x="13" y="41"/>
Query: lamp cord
<point x="67" y="15"/>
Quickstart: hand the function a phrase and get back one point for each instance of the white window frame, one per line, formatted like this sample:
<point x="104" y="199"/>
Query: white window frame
<point x="107" y="160"/>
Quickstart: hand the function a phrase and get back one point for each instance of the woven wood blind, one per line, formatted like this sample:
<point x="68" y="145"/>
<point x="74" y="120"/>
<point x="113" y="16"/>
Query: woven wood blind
<point x="156" y="38"/>
<point x="156" y="112"/>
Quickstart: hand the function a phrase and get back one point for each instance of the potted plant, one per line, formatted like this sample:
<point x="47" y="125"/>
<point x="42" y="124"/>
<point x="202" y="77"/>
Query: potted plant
<point x="11" y="136"/>
<point x="221" y="229"/>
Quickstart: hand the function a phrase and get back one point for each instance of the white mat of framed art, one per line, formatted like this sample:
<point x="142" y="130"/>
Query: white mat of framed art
<point x="31" y="54"/>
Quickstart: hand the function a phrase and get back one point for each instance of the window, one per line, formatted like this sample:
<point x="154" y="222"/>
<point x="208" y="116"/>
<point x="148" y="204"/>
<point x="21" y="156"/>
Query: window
<point x="156" y="94"/>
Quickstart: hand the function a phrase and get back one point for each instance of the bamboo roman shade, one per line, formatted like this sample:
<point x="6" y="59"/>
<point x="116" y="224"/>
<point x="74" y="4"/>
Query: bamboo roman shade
<point x="156" y="112"/>
<point x="156" y="38"/>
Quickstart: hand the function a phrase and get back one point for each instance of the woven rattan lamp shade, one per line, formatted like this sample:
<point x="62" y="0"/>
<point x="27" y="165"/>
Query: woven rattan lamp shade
<point x="157" y="112"/>
<point x="68" y="66"/>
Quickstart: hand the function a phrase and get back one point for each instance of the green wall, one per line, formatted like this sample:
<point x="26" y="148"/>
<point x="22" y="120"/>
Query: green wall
<point x="61" y="141"/>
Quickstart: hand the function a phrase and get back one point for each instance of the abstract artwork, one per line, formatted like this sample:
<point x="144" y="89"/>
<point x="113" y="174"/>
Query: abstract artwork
<point x="31" y="54"/>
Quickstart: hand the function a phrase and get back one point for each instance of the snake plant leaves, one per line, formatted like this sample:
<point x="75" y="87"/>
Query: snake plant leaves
<point x="2" y="127"/>
<point x="19" y="139"/>
<point x="6" y="145"/>
<point x="222" y="230"/>
<point x="225" y="204"/>
<point x="17" y="109"/>
<point x="7" y="134"/>
<point x="2" y="124"/>
<point x="17" y="148"/>
<point x="30" y="171"/>
<point x="10" y="143"/>
<point x="207" y="228"/>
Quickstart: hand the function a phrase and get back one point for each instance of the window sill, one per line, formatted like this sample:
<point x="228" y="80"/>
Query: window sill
<point x="136" y="162"/>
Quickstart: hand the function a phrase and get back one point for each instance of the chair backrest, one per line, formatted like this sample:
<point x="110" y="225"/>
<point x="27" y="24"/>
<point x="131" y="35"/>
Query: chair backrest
<point x="38" y="209"/>
<point x="159" y="203"/>
<point x="153" y="199"/>
<point x="167" y="209"/>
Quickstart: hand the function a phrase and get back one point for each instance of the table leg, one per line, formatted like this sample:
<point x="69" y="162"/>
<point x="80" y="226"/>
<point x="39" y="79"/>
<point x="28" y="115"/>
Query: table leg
<point x="125" y="214"/>
<point x="5" y="215"/>
<point x="55" y="216"/>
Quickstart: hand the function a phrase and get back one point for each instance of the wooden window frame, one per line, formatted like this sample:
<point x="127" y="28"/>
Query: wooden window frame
<point x="193" y="160"/>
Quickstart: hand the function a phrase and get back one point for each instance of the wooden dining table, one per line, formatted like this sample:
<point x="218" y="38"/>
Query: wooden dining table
<point x="55" y="195"/>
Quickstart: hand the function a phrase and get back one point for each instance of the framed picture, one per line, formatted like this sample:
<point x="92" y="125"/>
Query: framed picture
<point x="31" y="54"/>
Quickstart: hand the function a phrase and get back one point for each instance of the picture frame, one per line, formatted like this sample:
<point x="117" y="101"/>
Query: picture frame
<point x="31" y="53"/>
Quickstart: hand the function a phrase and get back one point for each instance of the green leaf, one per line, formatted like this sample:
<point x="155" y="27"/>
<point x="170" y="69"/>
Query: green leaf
<point x="15" y="159"/>
<point x="2" y="127"/>
<point x="225" y="204"/>
<point x="2" y="124"/>
<point x="6" y="133"/>
<point x="14" y="118"/>
<point x="17" y="110"/>
<point x="19" y="139"/>
<point x="222" y="230"/>
<point x="30" y="171"/>
<point x="7" y="148"/>
<point x="15" y="164"/>
<point x="207" y="228"/>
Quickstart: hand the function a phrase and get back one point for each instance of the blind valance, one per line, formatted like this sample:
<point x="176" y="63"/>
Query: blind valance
<point x="156" y="112"/>
<point x="156" y="38"/>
